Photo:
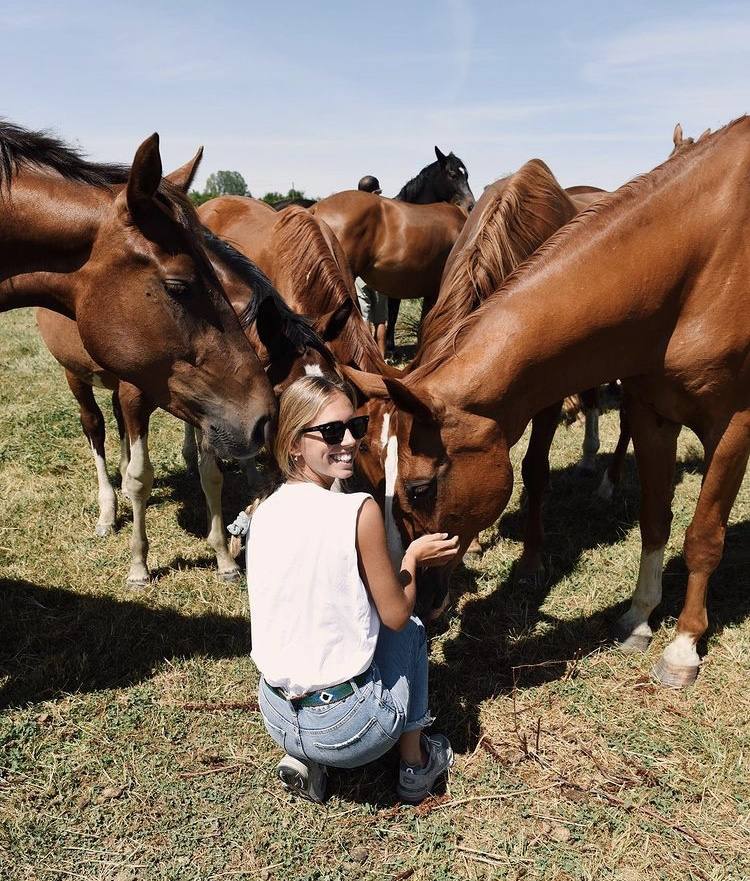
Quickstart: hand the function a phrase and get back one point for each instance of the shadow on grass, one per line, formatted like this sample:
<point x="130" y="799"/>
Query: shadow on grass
<point x="496" y="649"/>
<point x="54" y="641"/>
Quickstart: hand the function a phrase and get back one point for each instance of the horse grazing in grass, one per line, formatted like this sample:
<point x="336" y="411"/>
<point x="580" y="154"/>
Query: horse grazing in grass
<point x="399" y="246"/>
<point x="649" y="285"/>
<point x="265" y="318"/>
<point x="121" y="251"/>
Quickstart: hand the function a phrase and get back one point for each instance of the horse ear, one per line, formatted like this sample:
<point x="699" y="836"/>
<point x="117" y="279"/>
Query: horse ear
<point x="441" y="157"/>
<point x="677" y="135"/>
<point x="405" y="399"/>
<point x="332" y="323"/>
<point x="704" y="134"/>
<point x="370" y="385"/>
<point x="270" y="327"/>
<point x="183" y="176"/>
<point x="145" y="174"/>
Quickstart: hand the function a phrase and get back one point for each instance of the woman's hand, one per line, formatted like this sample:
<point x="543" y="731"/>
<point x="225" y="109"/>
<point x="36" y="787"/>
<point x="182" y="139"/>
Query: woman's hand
<point x="433" y="550"/>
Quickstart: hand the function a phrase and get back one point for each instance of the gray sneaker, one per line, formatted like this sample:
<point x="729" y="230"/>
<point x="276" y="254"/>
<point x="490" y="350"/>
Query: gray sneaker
<point x="305" y="779"/>
<point x="415" y="784"/>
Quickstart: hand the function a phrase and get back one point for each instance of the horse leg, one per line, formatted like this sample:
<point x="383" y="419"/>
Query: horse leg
<point x="124" y="440"/>
<point x="613" y="474"/>
<point x="390" y="336"/>
<point x="190" y="448"/>
<point x="139" y="476"/>
<point x="655" y="442"/>
<point x="212" y="481"/>
<point x="726" y="462"/>
<point x="535" y="473"/>
<point x="92" y="423"/>
<point x="590" y="400"/>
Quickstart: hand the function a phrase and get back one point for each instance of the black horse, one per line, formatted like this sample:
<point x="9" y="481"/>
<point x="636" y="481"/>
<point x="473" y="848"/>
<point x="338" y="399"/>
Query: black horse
<point x="445" y="180"/>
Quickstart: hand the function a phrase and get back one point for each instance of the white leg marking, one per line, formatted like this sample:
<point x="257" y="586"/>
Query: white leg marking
<point x="590" y="440"/>
<point x="393" y="536"/>
<point x="681" y="652"/>
<point x="124" y="457"/>
<point x="139" y="479"/>
<point x="212" y="482"/>
<point x="107" y="498"/>
<point x="646" y="596"/>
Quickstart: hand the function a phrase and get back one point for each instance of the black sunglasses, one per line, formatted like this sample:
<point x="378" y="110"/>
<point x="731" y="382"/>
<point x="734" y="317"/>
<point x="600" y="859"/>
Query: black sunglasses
<point x="333" y="432"/>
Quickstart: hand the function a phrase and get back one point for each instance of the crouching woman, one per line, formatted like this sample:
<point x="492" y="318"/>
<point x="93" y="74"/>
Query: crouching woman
<point x="343" y="662"/>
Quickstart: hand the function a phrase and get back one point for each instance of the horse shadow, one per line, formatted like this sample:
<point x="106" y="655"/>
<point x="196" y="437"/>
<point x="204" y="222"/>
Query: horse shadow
<point x="55" y="641"/>
<point x="496" y="650"/>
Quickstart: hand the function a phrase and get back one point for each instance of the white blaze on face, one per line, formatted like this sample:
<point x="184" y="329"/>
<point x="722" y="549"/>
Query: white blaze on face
<point x="393" y="536"/>
<point x="313" y="370"/>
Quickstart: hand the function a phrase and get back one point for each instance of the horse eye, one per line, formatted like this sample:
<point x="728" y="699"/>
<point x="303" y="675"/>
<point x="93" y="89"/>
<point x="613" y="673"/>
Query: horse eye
<point x="421" y="492"/>
<point x="177" y="287"/>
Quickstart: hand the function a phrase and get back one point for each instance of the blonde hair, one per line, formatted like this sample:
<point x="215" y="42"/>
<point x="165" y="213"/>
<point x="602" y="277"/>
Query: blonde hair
<point x="297" y="408"/>
<point x="298" y="405"/>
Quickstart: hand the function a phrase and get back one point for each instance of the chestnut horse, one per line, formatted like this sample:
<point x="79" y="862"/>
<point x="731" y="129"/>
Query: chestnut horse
<point x="400" y="251"/>
<point x="265" y="316"/>
<point x="122" y="252"/>
<point x="306" y="264"/>
<point x="648" y="285"/>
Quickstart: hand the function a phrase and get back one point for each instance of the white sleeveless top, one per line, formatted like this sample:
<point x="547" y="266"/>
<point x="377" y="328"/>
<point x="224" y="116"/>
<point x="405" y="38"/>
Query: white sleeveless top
<point x="313" y="622"/>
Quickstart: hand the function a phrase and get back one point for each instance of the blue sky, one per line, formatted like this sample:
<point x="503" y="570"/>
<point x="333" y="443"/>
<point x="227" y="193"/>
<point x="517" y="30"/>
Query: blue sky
<point x="319" y="93"/>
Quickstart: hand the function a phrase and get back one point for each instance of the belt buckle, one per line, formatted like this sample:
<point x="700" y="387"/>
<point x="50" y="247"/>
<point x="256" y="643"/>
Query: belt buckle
<point x="325" y="697"/>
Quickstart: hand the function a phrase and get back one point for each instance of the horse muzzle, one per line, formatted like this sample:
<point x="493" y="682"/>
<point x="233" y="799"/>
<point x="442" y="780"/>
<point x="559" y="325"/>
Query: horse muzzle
<point x="229" y="442"/>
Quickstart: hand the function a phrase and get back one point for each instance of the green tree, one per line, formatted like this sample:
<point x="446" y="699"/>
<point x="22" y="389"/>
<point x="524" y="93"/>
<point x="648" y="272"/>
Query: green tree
<point x="226" y="183"/>
<point x="274" y="196"/>
<point x="198" y="198"/>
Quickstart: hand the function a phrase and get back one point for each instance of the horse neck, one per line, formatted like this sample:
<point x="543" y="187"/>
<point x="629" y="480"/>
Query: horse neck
<point x="599" y="303"/>
<point x="419" y="190"/>
<point x="47" y="229"/>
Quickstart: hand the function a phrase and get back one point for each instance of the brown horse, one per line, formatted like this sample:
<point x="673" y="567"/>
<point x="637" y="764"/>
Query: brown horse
<point x="293" y="346"/>
<point x="305" y="262"/>
<point x="398" y="248"/>
<point x="121" y="250"/>
<point x="648" y="285"/>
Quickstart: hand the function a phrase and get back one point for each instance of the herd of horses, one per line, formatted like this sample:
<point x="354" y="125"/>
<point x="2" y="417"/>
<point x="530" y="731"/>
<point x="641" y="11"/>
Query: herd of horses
<point x="538" y="293"/>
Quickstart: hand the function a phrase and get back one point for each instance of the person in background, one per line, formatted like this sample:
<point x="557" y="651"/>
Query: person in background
<point x="343" y="661"/>
<point x="372" y="304"/>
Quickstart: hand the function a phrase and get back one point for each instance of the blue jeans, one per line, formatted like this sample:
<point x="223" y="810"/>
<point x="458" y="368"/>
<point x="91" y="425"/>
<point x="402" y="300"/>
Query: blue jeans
<point x="362" y="727"/>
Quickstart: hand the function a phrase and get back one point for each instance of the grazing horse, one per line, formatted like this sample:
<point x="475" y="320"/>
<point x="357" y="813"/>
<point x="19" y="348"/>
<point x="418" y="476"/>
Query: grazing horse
<point x="122" y="252"/>
<point x="649" y="285"/>
<point x="265" y="317"/>
<point x="397" y="250"/>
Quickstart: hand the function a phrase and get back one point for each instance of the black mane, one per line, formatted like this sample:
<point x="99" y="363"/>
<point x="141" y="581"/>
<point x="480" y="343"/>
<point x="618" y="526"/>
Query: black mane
<point x="20" y="148"/>
<point x="413" y="188"/>
<point x="297" y="329"/>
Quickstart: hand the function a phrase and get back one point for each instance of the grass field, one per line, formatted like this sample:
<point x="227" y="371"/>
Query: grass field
<point x="131" y="746"/>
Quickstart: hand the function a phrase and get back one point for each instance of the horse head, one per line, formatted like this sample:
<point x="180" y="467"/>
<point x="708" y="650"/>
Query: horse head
<point x="452" y="181"/>
<point x="150" y="293"/>
<point x="427" y="487"/>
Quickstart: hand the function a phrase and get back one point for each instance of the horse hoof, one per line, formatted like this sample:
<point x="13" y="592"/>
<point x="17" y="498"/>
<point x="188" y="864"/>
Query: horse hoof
<point x="137" y="580"/>
<point x="230" y="575"/>
<point x="673" y="676"/>
<point x="474" y="551"/>
<point x="102" y="530"/>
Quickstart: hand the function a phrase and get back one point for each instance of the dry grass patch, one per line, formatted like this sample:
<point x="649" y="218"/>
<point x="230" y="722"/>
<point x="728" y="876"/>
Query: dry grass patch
<point x="131" y="746"/>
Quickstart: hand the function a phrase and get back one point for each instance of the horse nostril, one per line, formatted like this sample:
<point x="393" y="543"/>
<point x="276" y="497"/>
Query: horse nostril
<point x="259" y="432"/>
